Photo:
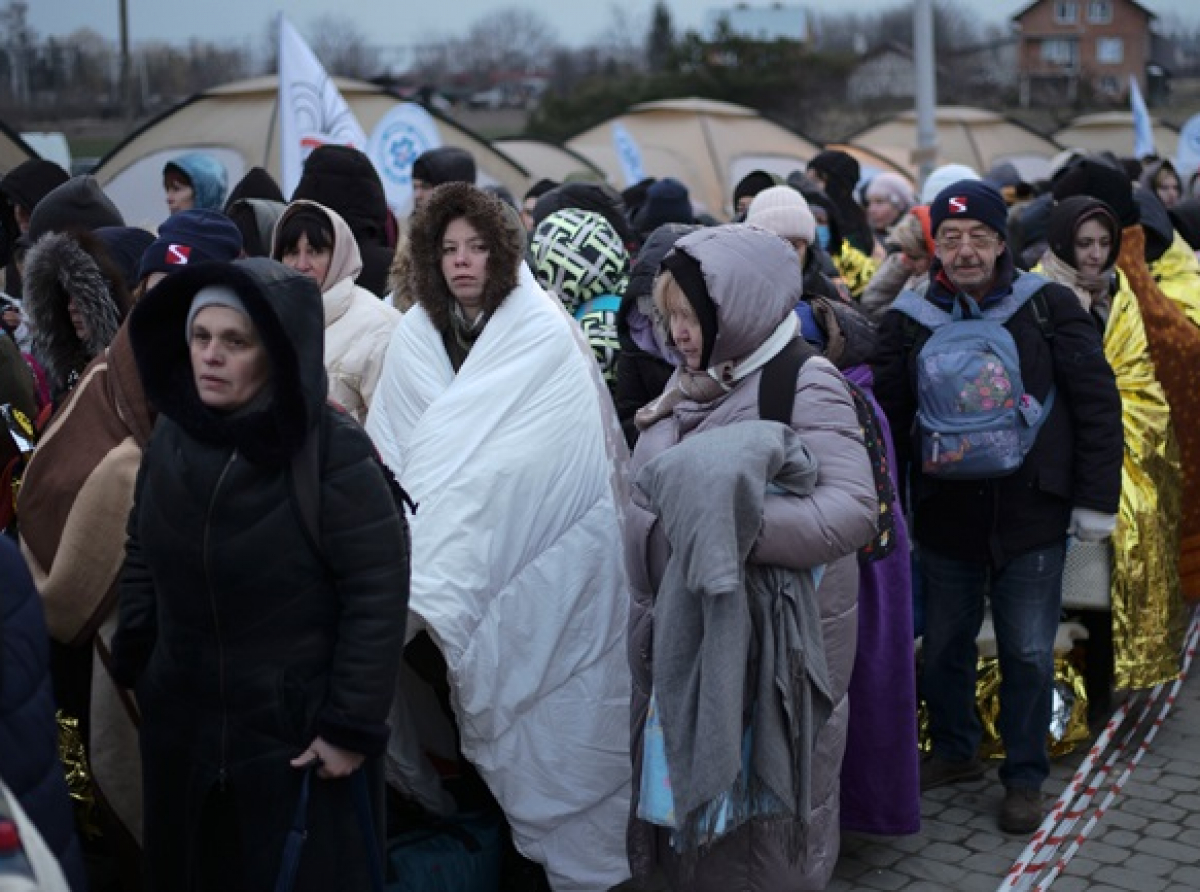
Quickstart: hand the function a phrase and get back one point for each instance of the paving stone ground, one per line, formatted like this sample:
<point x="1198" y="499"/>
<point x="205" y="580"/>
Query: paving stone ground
<point x="1147" y="841"/>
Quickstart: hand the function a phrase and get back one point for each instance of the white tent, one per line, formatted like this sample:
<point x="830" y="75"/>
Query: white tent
<point x="13" y="150"/>
<point x="973" y="136"/>
<point x="237" y="123"/>
<point x="707" y="145"/>
<point x="1113" y="132"/>
<point x="547" y="160"/>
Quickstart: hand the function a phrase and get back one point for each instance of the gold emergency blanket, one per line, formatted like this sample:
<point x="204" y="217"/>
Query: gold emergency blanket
<point x="1068" y="717"/>
<point x="1173" y="336"/>
<point x="1068" y="712"/>
<point x="1147" y="610"/>
<point x="73" y="755"/>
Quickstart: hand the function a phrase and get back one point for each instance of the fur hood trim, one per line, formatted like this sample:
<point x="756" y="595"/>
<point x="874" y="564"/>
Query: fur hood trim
<point x="65" y="267"/>
<point x="495" y="221"/>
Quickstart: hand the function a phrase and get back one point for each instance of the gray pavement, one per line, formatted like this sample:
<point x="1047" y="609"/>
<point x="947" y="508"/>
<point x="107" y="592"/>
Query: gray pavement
<point x="1147" y="841"/>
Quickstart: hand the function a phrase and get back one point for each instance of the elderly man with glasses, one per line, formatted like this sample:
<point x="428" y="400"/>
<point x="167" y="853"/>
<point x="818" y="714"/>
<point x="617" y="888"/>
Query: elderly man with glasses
<point x="998" y="535"/>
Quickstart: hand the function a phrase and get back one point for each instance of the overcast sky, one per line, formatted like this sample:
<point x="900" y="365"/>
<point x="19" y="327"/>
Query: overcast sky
<point x="403" y="22"/>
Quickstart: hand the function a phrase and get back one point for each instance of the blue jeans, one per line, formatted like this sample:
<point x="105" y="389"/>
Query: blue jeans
<point x="1026" y="600"/>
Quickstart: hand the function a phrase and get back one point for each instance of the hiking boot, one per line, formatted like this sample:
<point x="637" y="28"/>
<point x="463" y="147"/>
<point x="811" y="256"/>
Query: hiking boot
<point x="1022" y="811"/>
<point x="937" y="772"/>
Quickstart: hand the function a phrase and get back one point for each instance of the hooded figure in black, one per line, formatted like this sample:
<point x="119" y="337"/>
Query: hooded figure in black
<point x="23" y="188"/>
<point x="251" y="646"/>
<point x="344" y="180"/>
<point x="644" y="363"/>
<point x="838" y="173"/>
<point x="598" y="197"/>
<point x="1186" y="218"/>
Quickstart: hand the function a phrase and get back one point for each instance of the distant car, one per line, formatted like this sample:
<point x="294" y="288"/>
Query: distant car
<point x="493" y="98"/>
<point x="85" y="164"/>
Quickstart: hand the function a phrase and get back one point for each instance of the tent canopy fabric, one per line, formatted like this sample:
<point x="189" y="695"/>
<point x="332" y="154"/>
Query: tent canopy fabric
<point x="1113" y="131"/>
<point x="973" y="136"/>
<point x="238" y="124"/>
<point x="547" y="160"/>
<point x="13" y="149"/>
<point x="706" y="144"/>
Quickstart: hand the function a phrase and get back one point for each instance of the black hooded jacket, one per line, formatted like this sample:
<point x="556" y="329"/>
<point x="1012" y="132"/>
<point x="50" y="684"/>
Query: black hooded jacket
<point x="841" y="173"/>
<point x="1186" y="217"/>
<point x="25" y="185"/>
<point x="589" y="197"/>
<point x="257" y="183"/>
<point x="1156" y="223"/>
<point x="243" y="639"/>
<point x="344" y="180"/>
<point x="642" y="375"/>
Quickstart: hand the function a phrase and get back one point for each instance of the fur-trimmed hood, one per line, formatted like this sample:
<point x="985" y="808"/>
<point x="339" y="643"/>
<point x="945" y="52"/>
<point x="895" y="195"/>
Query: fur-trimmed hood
<point x="494" y="220"/>
<point x="65" y="267"/>
<point x="286" y="309"/>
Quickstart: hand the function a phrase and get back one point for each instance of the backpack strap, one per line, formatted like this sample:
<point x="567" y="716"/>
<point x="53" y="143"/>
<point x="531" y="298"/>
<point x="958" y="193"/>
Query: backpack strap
<point x="1041" y="312"/>
<point x="305" y="489"/>
<point x="777" y="383"/>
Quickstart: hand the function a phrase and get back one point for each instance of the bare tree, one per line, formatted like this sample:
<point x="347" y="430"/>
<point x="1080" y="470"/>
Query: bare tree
<point x="18" y="45"/>
<point x="342" y="47"/>
<point x="509" y="39"/>
<point x="622" y="41"/>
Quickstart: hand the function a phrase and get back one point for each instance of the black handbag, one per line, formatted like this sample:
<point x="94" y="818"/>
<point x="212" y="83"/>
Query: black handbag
<point x="294" y="845"/>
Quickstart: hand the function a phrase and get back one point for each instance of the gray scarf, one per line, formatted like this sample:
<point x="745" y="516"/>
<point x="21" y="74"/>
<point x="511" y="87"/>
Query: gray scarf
<point x="737" y="645"/>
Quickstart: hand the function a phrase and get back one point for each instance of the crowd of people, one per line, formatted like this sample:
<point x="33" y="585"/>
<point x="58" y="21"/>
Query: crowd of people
<point x="642" y="534"/>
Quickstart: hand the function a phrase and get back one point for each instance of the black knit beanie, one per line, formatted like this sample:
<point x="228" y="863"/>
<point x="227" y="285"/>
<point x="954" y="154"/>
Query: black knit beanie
<point x="1087" y="176"/>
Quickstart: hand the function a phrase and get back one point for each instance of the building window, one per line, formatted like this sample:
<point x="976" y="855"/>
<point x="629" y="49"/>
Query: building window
<point x="1059" y="52"/>
<point x="1066" y="12"/>
<point x="1099" y="12"/>
<point x="1110" y="50"/>
<point x="1109" y="85"/>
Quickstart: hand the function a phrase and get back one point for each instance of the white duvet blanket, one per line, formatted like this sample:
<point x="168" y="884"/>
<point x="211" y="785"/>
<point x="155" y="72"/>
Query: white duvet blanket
<point x="517" y="570"/>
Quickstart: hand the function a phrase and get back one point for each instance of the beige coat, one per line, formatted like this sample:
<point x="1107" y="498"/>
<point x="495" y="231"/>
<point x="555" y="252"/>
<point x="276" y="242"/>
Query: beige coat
<point x="358" y="325"/>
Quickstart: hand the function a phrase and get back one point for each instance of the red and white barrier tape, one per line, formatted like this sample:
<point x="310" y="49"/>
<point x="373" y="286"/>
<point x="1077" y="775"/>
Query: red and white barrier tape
<point x="1057" y="826"/>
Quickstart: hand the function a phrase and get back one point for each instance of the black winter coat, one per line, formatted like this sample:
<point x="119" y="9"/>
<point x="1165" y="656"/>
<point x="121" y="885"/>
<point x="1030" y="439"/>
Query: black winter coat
<point x="28" y="732"/>
<point x="344" y="180"/>
<point x="243" y="643"/>
<point x="642" y="375"/>
<point x="1075" y="461"/>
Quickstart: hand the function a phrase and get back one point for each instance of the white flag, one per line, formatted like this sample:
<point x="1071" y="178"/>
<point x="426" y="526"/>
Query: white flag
<point x="311" y="110"/>
<point x="1187" y="156"/>
<point x="398" y="139"/>
<point x="1143" y="132"/>
<point x="629" y="154"/>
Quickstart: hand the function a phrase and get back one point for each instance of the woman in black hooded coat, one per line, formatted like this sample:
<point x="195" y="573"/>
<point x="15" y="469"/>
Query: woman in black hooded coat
<point x="253" y="645"/>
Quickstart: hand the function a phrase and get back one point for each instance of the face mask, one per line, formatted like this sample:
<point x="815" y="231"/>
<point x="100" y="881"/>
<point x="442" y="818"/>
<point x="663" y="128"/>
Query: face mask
<point x="823" y="236"/>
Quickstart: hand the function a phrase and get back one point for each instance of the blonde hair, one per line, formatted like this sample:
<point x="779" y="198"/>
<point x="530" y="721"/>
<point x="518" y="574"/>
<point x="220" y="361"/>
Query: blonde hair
<point x="668" y="295"/>
<point x="668" y="298"/>
<point x="910" y="236"/>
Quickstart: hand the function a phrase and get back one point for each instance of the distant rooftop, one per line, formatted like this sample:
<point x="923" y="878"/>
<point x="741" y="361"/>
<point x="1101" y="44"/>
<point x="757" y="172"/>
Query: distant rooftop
<point x="770" y="22"/>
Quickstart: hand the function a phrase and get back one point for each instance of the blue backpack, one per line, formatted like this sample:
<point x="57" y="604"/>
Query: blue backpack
<point x="975" y="419"/>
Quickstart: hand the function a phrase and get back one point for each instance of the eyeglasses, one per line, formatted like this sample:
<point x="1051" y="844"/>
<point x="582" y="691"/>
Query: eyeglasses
<point x="953" y="241"/>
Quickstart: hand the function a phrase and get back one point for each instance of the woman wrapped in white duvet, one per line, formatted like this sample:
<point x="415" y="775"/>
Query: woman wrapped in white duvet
<point x="492" y="414"/>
